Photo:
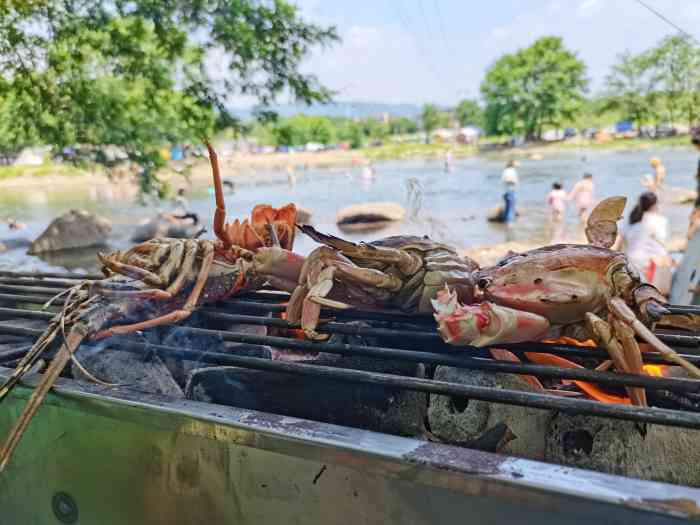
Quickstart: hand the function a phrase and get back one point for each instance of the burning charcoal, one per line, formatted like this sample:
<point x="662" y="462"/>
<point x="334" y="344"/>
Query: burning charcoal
<point x="465" y="421"/>
<point x="372" y="407"/>
<point x="145" y="373"/>
<point x="649" y="452"/>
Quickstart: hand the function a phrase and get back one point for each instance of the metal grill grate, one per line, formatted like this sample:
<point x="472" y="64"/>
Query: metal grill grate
<point x="402" y="338"/>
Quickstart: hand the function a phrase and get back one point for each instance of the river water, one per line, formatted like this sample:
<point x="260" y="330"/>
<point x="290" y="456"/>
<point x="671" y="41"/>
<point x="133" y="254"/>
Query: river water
<point x="450" y="207"/>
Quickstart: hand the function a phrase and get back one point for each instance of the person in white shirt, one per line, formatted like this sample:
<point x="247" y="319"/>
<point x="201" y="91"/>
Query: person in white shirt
<point x="510" y="175"/>
<point x="644" y="237"/>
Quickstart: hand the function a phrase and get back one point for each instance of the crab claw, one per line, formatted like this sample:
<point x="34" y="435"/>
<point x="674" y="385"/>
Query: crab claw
<point x="484" y="323"/>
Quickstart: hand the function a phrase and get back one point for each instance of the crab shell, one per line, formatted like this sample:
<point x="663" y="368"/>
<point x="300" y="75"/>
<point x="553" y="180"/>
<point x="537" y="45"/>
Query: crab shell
<point x="441" y="265"/>
<point x="561" y="282"/>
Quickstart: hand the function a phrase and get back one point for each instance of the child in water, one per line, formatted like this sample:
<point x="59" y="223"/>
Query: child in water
<point x="556" y="200"/>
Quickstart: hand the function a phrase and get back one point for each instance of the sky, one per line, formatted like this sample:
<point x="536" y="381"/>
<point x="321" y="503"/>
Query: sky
<point x="420" y="51"/>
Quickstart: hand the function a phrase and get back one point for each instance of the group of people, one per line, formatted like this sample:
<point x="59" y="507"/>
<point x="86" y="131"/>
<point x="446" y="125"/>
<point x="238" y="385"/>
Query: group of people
<point x="645" y="231"/>
<point x="582" y="194"/>
<point x="642" y="236"/>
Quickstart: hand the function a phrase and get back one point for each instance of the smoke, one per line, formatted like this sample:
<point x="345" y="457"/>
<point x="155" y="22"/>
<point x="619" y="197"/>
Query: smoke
<point x="435" y="228"/>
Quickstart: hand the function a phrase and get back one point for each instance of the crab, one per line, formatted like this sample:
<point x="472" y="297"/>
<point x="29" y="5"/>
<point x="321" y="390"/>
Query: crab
<point x="402" y="272"/>
<point x="577" y="290"/>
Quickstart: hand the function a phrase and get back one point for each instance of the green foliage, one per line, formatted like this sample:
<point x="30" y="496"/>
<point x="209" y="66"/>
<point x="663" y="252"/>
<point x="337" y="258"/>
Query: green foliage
<point x="431" y="118"/>
<point x="469" y="113"/>
<point x="402" y="126"/>
<point x="541" y="84"/>
<point x="134" y="73"/>
<point x="631" y="87"/>
<point x="302" y="129"/>
<point x="677" y="63"/>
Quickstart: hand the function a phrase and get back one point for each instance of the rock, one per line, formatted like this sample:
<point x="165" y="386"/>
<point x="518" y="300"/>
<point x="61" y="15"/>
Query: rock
<point x="369" y="216"/>
<point x="146" y="373"/>
<point x="464" y="421"/>
<point x="165" y="225"/>
<point x="303" y="215"/>
<point x="75" y="229"/>
<point x="14" y="244"/>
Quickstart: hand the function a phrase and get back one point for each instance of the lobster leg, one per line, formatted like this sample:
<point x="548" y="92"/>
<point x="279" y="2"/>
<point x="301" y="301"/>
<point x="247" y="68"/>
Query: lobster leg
<point x="220" y="214"/>
<point x="186" y="267"/>
<point x="129" y="270"/>
<point x="75" y="337"/>
<point x="176" y="315"/>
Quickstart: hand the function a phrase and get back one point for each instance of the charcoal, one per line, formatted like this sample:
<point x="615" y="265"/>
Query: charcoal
<point x="464" y="421"/>
<point x="371" y="407"/>
<point x="146" y="373"/>
<point x="175" y="336"/>
<point x="650" y="452"/>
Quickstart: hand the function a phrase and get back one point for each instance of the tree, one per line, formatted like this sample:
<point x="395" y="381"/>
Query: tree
<point x="677" y="63"/>
<point x="541" y="84"/>
<point x="430" y="118"/>
<point x="402" y="126"/>
<point x="631" y="87"/>
<point x="469" y="112"/>
<point x="139" y="74"/>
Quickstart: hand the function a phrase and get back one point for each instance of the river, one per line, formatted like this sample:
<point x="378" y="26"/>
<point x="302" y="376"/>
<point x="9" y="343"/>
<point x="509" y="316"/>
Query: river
<point x="452" y="207"/>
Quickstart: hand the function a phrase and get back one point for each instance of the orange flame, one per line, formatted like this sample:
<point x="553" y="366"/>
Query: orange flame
<point x="295" y="333"/>
<point x="591" y="390"/>
<point x="655" y="370"/>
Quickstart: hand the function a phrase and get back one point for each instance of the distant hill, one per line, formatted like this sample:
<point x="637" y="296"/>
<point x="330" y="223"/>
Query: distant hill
<point x="340" y="109"/>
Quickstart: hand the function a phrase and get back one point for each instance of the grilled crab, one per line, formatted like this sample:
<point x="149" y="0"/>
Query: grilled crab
<point x="403" y="272"/>
<point x="159" y="282"/>
<point x="581" y="290"/>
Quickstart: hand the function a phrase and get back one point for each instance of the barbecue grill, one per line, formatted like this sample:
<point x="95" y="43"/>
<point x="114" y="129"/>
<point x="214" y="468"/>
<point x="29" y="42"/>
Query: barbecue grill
<point x="114" y="455"/>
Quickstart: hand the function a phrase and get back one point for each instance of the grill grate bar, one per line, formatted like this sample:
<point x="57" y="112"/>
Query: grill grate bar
<point x="504" y="396"/>
<point x="399" y="322"/>
<point x="433" y="343"/>
<point x="463" y="359"/>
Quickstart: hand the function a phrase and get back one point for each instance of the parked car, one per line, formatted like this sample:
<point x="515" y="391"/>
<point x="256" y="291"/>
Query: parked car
<point x="570" y="133"/>
<point x="589" y="133"/>
<point x="665" y="130"/>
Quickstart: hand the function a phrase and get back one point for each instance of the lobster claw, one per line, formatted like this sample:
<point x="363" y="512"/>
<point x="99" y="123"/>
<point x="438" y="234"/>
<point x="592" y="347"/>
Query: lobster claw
<point x="484" y="323"/>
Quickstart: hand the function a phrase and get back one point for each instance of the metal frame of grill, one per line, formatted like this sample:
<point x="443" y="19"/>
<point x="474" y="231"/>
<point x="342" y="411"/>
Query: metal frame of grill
<point x="409" y="472"/>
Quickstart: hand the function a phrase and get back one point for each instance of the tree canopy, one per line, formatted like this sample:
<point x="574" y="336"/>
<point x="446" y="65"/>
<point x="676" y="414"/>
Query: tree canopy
<point x="541" y="84"/>
<point x="139" y="73"/>
<point x="469" y="113"/>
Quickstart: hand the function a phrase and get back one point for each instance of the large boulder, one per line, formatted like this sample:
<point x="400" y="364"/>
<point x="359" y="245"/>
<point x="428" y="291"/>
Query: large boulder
<point x="75" y="229"/>
<point x="166" y="225"/>
<point x="369" y="216"/>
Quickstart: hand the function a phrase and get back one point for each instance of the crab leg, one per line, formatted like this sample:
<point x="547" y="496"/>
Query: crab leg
<point x="622" y="311"/>
<point x="633" y="355"/>
<point x="605" y="334"/>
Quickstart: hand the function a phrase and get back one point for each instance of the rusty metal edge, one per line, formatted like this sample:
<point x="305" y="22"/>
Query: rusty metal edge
<point x="469" y="471"/>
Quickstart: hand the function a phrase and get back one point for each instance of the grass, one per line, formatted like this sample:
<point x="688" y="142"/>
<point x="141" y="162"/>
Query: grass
<point x="43" y="170"/>
<point x="416" y="150"/>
